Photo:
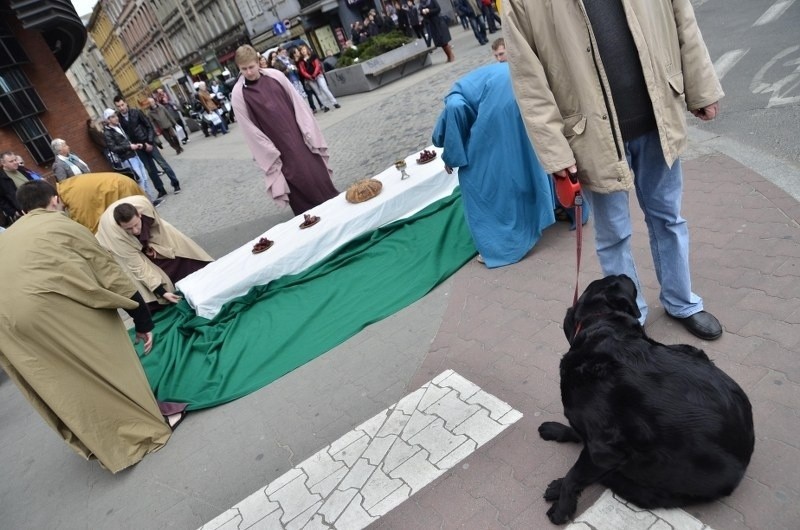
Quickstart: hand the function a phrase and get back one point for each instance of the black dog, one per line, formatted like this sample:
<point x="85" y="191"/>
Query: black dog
<point x="661" y="425"/>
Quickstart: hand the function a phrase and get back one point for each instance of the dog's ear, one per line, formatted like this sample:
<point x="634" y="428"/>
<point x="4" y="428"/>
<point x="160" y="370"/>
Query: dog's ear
<point x="624" y="297"/>
<point x="569" y="324"/>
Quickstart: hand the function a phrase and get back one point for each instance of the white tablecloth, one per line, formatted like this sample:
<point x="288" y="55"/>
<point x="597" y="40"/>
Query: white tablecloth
<point x="295" y="250"/>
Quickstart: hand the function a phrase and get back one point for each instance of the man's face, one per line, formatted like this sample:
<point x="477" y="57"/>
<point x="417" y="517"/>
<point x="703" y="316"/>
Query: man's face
<point x="121" y="106"/>
<point x="10" y="162"/>
<point x="250" y="70"/>
<point x="113" y="120"/>
<point x="151" y="102"/>
<point x="64" y="151"/>
<point x="134" y="226"/>
<point x="500" y="54"/>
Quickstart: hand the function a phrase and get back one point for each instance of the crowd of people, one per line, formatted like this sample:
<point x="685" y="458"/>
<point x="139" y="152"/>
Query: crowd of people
<point x="506" y="126"/>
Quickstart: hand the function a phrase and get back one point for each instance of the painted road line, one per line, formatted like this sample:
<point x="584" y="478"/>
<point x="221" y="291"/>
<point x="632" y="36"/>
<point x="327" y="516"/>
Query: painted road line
<point x="774" y="12"/>
<point x="379" y="464"/>
<point x="727" y="61"/>
<point x="611" y="512"/>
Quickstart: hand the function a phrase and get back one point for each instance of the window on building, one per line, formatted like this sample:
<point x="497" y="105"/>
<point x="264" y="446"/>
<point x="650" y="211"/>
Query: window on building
<point x="37" y="140"/>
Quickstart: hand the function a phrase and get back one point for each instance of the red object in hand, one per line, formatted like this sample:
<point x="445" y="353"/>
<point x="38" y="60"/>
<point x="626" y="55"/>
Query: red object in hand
<point x="568" y="189"/>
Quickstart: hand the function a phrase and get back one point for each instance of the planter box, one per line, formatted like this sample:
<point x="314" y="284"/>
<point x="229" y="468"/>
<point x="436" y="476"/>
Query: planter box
<point x="380" y="70"/>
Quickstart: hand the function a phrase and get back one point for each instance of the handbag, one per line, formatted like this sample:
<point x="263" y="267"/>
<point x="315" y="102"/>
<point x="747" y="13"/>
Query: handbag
<point x="180" y="133"/>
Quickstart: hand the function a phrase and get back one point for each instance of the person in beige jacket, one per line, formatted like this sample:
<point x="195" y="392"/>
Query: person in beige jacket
<point x="155" y="254"/>
<point x="603" y="87"/>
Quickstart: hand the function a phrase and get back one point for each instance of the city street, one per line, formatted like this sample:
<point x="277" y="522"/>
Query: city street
<point x="498" y="330"/>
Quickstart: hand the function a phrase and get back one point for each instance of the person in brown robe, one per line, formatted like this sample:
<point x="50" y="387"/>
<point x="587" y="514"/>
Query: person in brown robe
<point x="282" y="134"/>
<point x="62" y="341"/>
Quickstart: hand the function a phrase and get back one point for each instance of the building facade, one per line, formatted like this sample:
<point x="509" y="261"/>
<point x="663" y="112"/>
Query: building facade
<point x="92" y="80"/>
<point x="38" y="42"/>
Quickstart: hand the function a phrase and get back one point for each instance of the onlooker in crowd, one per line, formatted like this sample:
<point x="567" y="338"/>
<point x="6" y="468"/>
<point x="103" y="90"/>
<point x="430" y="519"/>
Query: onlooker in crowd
<point x="95" y="134"/>
<point x="155" y="254"/>
<point x="163" y="98"/>
<point x="282" y="135"/>
<point x="415" y="19"/>
<point x="63" y="342"/>
<point x="35" y="175"/>
<point x="489" y="13"/>
<point x="311" y="70"/>
<point x="499" y="50"/>
<point x="508" y="199"/>
<point x="359" y="33"/>
<point x="85" y="197"/>
<point x="11" y="177"/>
<point x="119" y="143"/>
<point x="219" y="94"/>
<point x="289" y="59"/>
<point x="438" y="31"/>
<point x="66" y="164"/>
<point x="391" y="12"/>
<point x="140" y="130"/>
<point x="211" y="109"/>
<point x="383" y="23"/>
<point x="614" y="117"/>
<point x="162" y="119"/>
<point x="369" y="29"/>
<point x="266" y="62"/>
<point x="465" y="9"/>
<point x="403" y="18"/>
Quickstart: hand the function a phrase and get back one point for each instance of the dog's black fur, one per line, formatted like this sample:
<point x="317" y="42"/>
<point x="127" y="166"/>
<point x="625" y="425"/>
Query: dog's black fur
<point x="661" y="425"/>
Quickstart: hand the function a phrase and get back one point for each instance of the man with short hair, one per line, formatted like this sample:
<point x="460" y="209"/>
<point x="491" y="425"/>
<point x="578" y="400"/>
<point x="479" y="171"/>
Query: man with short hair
<point x="12" y="176"/>
<point x="62" y="341"/>
<point x="121" y="145"/>
<point x="140" y="130"/>
<point x="159" y="115"/>
<point x="499" y="50"/>
<point x="66" y="164"/>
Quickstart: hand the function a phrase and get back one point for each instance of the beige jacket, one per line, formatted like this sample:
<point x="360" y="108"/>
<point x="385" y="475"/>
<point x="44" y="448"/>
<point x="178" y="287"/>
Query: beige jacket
<point x="165" y="239"/>
<point x="560" y="82"/>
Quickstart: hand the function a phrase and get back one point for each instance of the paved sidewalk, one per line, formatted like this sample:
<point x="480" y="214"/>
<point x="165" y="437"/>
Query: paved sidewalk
<point x="499" y="329"/>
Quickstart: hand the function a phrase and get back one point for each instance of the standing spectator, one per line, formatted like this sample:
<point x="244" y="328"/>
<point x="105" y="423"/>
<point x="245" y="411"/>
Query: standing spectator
<point x="499" y="50"/>
<point x="403" y="18"/>
<point x="162" y="119"/>
<point x="465" y="10"/>
<point x="282" y="135"/>
<point x="140" y="130"/>
<point x="119" y="143"/>
<point x="438" y="31"/>
<point x="311" y="69"/>
<point x="11" y="177"/>
<point x="415" y="19"/>
<point x="289" y="59"/>
<point x="610" y="112"/>
<point x="487" y="8"/>
<point x="156" y="254"/>
<point x="163" y="98"/>
<point x="62" y="340"/>
<point x="95" y="134"/>
<point x="66" y="164"/>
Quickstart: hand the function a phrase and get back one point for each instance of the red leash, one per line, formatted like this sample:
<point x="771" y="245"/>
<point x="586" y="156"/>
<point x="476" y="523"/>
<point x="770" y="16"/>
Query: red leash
<point x="568" y="193"/>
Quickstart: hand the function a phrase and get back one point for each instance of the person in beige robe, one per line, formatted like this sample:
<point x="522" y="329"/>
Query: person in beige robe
<point x="165" y="241"/>
<point x="62" y="341"/>
<point x="87" y="196"/>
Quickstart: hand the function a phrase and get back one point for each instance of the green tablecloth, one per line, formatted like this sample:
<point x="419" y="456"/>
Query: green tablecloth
<point x="273" y="329"/>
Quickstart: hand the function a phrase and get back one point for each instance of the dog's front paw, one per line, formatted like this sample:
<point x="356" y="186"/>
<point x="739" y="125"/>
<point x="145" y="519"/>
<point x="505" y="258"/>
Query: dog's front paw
<point x="561" y="511"/>
<point x="550" y="430"/>
<point x="553" y="491"/>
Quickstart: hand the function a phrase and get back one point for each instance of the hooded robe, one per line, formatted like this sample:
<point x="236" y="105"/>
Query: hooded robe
<point x="165" y="239"/>
<point x="507" y="196"/>
<point x="64" y="345"/>
<point x="87" y="196"/>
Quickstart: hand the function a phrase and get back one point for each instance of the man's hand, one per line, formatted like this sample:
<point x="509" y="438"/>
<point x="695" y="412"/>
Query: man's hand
<point x="147" y="338"/>
<point x="707" y="113"/>
<point x="448" y="169"/>
<point x="172" y="298"/>
<point x="570" y="171"/>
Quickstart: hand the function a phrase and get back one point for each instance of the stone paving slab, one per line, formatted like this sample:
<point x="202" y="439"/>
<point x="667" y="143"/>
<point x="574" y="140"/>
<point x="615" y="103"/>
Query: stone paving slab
<point x="381" y="463"/>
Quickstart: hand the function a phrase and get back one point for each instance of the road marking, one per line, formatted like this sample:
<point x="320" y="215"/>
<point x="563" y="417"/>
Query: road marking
<point x="611" y="511"/>
<point x="379" y="464"/>
<point x="774" y="12"/>
<point x="783" y="88"/>
<point x="727" y="61"/>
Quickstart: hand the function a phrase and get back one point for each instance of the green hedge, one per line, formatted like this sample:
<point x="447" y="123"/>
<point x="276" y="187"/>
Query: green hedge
<point x="372" y="47"/>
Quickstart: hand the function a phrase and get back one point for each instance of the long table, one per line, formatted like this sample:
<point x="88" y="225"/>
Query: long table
<point x="233" y="275"/>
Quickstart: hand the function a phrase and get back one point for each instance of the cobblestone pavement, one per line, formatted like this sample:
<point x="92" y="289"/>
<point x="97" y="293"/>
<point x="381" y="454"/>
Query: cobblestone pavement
<point x="499" y="329"/>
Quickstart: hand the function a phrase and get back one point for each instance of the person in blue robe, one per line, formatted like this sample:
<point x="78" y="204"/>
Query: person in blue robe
<point x="508" y="197"/>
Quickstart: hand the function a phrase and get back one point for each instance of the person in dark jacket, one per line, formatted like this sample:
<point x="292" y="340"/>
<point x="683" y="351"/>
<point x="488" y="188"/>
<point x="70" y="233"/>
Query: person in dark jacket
<point x="11" y="177"/>
<point x="466" y="10"/>
<point x="125" y="149"/>
<point x="415" y="19"/>
<point x="438" y="31"/>
<point x="140" y="130"/>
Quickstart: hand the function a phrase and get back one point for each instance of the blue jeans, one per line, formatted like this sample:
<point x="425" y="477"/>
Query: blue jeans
<point x="658" y="190"/>
<point x="149" y="160"/>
